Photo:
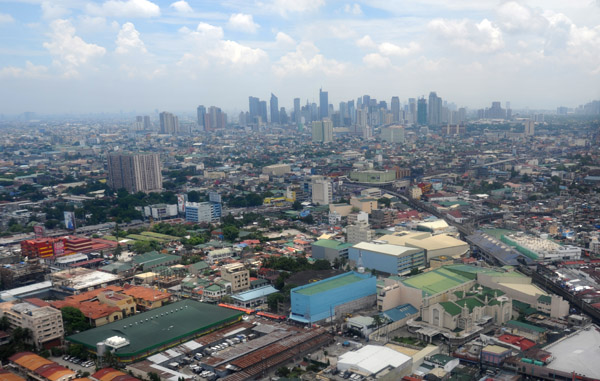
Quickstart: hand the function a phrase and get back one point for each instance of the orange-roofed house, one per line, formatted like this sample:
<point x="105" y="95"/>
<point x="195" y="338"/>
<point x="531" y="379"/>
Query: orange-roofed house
<point x="40" y="368"/>
<point x="146" y="298"/>
<point x="110" y="374"/>
<point x="5" y="375"/>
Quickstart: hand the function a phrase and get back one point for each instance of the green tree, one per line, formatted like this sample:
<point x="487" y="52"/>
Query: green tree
<point x="384" y="201"/>
<point x="230" y="233"/>
<point x="153" y="376"/>
<point x="297" y="205"/>
<point x="274" y="299"/>
<point x="74" y="320"/>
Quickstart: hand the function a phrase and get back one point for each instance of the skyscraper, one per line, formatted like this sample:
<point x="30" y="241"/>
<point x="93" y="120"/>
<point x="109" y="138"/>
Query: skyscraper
<point x="201" y="111"/>
<point x="297" y="113"/>
<point x="254" y="107"/>
<point x="434" y="114"/>
<point x="215" y="119"/>
<point x="169" y="123"/>
<point x="323" y="104"/>
<point x="322" y="131"/>
<point x="274" y="103"/>
<point x="135" y="172"/>
<point x="263" y="111"/>
<point x="422" y="111"/>
<point x="395" y="109"/>
<point x="412" y="110"/>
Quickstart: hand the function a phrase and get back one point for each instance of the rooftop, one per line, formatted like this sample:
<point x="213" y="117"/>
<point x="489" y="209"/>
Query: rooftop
<point x="330" y="283"/>
<point x="255" y="293"/>
<point x="578" y="353"/>
<point x="436" y="281"/>
<point x="395" y="250"/>
<point x="400" y="312"/>
<point x="158" y="327"/>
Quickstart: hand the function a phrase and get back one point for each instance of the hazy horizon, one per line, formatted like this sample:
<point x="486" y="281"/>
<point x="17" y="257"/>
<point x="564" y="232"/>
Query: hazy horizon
<point x="78" y="57"/>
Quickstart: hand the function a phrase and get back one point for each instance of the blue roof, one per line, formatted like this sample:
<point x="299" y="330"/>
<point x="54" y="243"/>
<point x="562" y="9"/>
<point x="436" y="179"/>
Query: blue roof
<point x="256" y="293"/>
<point x="400" y="312"/>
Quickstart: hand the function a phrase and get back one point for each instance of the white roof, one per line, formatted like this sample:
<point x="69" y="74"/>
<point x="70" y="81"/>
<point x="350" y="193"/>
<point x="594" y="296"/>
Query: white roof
<point x="371" y="359"/>
<point x="388" y="249"/>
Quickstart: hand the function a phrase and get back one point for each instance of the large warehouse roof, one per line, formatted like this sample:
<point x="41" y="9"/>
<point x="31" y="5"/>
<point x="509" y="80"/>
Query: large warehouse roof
<point x="395" y="250"/>
<point x="372" y="359"/>
<point x="329" y="284"/>
<point x="158" y="327"/>
<point x="436" y="281"/>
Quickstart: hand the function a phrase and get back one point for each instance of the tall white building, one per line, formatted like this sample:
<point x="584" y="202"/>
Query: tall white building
<point x="322" y="190"/>
<point x="169" y="123"/>
<point x="135" y="172"/>
<point x="392" y="134"/>
<point x="360" y="232"/>
<point x="322" y="131"/>
<point x="45" y="322"/>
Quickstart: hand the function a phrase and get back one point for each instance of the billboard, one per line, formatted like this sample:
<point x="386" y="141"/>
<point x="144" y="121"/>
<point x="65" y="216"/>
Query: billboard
<point x="70" y="220"/>
<point x="181" y="199"/>
<point x="39" y="230"/>
<point x="214" y="197"/>
<point x="59" y="248"/>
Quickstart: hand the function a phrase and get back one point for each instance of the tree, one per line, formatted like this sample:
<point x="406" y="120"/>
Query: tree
<point x="297" y="205"/>
<point x="284" y="371"/>
<point x="384" y="201"/>
<point x="153" y="376"/>
<point x="274" y="299"/>
<point x="230" y="233"/>
<point x="74" y="320"/>
<point x="4" y="323"/>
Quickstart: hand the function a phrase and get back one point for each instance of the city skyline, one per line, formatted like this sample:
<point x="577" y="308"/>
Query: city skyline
<point x="106" y="56"/>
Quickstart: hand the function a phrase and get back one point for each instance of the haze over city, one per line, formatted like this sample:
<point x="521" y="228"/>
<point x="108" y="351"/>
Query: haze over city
<point x="137" y="55"/>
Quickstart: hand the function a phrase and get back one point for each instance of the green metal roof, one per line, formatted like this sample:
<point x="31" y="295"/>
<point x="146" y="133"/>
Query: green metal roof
<point x="470" y="303"/>
<point x="331" y="244"/>
<point x="450" y="307"/>
<point x="530" y="327"/>
<point x="159" y="327"/>
<point x="329" y="284"/>
<point x="436" y="281"/>
<point x="546" y="299"/>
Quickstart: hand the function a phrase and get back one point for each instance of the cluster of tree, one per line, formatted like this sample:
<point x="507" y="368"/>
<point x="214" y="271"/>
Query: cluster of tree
<point x="20" y="340"/>
<point x="249" y="199"/>
<point x="74" y="320"/>
<point x="295" y="264"/>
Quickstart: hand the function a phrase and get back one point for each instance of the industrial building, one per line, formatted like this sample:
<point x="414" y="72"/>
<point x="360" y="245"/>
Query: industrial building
<point x="277" y="169"/>
<point x="332" y="297"/>
<point x="140" y="335"/>
<point x="386" y="258"/>
<point x="371" y="360"/>
<point x="541" y="249"/>
<point x="434" y="245"/>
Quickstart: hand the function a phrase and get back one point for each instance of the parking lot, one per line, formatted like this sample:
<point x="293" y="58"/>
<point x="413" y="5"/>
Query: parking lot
<point x="87" y="367"/>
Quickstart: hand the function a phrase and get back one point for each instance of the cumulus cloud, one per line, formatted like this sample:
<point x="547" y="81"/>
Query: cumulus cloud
<point x="517" y="17"/>
<point x="366" y="42"/>
<point x="306" y="59"/>
<point x="389" y="49"/>
<point x="231" y="52"/>
<point x="29" y="71"/>
<point x="69" y="50"/>
<point x="243" y="23"/>
<point x="128" y="40"/>
<point x="353" y="9"/>
<point x="51" y="10"/>
<point x="376" y="60"/>
<point x="126" y="8"/>
<point x="284" y="7"/>
<point x="182" y="6"/>
<point x="284" y="40"/>
<point x="6" y="18"/>
<point x="482" y="37"/>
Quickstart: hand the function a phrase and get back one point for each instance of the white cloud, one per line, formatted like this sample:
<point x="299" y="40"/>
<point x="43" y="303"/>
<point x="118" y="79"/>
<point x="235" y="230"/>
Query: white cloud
<point x="231" y="52"/>
<point x="483" y="37"/>
<point x="284" y="7"/>
<point x="306" y="59"/>
<point x="376" y="60"/>
<point x="366" y="42"/>
<point x="6" y="18"/>
<point x="29" y="71"/>
<point x="353" y="9"/>
<point x="126" y="8"/>
<point x="283" y="40"/>
<point x="208" y="31"/>
<point x="243" y="22"/>
<point x="182" y="6"/>
<point x="52" y="10"/>
<point x="389" y="49"/>
<point x="69" y="50"/>
<point x="514" y="16"/>
<point x="128" y="40"/>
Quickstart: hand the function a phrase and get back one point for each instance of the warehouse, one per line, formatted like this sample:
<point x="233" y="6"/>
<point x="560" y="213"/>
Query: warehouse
<point x="141" y="335"/>
<point x="333" y="297"/>
<point x="371" y="360"/>
<point x="390" y="259"/>
<point x="434" y="245"/>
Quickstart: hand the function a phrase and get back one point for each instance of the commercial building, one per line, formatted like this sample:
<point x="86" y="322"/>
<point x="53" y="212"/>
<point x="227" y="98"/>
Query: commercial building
<point x="494" y="355"/>
<point x="322" y="190"/>
<point x="434" y="245"/>
<point x="160" y="211"/>
<point x="77" y="280"/>
<point x="143" y="334"/>
<point x="371" y="360"/>
<point x="364" y="204"/>
<point x="253" y="298"/>
<point x="332" y="297"/>
<point x="39" y="368"/>
<point x="373" y="176"/>
<point x="392" y="134"/>
<point x="386" y="258"/>
<point x="322" y="131"/>
<point x="202" y="211"/>
<point x="169" y="123"/>
<point x="360" y="232"/>
<point x="237" y="275"/>
<point x="541" y="249"/>
<point x="277" y="169"/>
<point x="45" y="323"/>
<point x="135" y="172"/>
<point x="329" y="249"/>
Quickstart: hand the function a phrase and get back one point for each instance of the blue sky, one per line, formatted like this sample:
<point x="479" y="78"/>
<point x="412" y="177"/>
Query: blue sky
<point x="81" y="56"/>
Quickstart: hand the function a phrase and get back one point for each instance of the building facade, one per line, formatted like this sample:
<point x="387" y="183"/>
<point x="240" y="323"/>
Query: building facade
<point x="237" y="275"/>
<point x="135" y="172"/>
<point x="45" y="323"/>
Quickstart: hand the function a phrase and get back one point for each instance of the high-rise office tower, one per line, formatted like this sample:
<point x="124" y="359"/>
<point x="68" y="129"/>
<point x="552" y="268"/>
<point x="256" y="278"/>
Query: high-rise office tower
<point x="201" y="112"/>
<point x="422" y="111"/>
<point x="263" y="111"/>
<point x="283" y="116"/>
<point x="323" y="104"/>
<point x="529" y="127"/>
<point x="169" y="123"/>
<point x="215" y="119"/>
<point x="135" y="172"/>
<point x="361" y="118"/>
<point x="434" y="110"/>
<point x="395" y="109"/>
<point x="352" y="112"/>
<point x="139" y="123"/>
<point x="147" y="124"/>
<point x="322" y="131"/>
<point x="412" y="110"/>
<point x="322" y="190"/>
<point x="274" y="103"/>
<point x="297" y="112"/>
<point x="254" y="108"/>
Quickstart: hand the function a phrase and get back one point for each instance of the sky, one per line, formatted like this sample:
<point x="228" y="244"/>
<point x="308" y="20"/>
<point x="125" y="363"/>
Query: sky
<point x="80" y="56"/>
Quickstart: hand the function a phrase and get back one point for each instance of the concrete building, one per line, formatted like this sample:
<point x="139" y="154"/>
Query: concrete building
<point x="360" y="232"/>
<point x="434" y="245"/>
<point x="253" y="298"/>
<point x="237" y="275"/>
<point x="541" y="248"/>
<point x="160" y="211"/>
<point x="169" y="123"/>
<point x="277" y="169"/>
<point x="135" y="172"/>
<point x="322" y="190"/>
<point x="322" y="131"/>
<point x="386" y="258"/>
<point x="39" y="368"/>
<point x="365" y="204"/>
<point x="45" y="322"/>
<point x="372" y="360"/>
<point x="330" y="249"/>
<point x="392" y="134"/>
<point x="332" y="297"/>
<point x="202" y="211"/>
<point x="373" y="176"/>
